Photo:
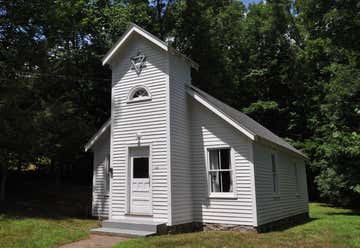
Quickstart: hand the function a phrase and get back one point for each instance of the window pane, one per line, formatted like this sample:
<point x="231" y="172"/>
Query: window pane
<point x="215" y="181"/>
<point x="214" y="159"/>
<point x="140" y="93"/>
<point x="107" y="174"/>
<point x="273" y="163"/>
<point x="226" y="181"/>
<point x="296" y="178"/>
<point x="274" y="173"/>
<point x="225" y="158"/>
<point x="274" y="183"/>
<point x="141" y="168"/>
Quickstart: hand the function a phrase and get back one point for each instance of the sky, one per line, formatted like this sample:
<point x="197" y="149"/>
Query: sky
<point x="246" y="2"/>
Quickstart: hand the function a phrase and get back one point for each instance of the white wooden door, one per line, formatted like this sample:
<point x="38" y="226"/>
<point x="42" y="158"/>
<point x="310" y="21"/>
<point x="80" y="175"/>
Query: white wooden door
<point x="140" y="190"/>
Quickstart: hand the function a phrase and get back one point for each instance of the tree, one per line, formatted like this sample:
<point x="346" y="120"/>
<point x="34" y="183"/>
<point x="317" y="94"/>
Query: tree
<point x="331" y="58"/>
<point x="292" y="65"/>
<point x="21" y="50"/>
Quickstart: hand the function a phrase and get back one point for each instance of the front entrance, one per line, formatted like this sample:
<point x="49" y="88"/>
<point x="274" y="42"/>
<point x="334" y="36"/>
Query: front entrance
<point x="140" y="190"/>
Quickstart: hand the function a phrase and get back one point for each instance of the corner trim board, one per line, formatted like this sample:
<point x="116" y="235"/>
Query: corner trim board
<point x="253" y="183"/>
<point x="168" y="141"/>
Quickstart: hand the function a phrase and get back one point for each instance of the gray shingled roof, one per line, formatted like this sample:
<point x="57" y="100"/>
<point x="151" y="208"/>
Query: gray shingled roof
<point x="245" y="121"/>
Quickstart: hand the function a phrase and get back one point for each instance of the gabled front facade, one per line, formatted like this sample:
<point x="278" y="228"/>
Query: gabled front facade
<point x="172" y="154"/>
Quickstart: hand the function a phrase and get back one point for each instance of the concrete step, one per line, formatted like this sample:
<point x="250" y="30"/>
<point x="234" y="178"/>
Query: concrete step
<point x="132" y="224"/>
<point x="121" y="232"/>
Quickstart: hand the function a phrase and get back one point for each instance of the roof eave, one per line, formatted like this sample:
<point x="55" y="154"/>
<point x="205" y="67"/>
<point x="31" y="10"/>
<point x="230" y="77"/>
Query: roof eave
<point x="253" y="136"/>
<point x="294" y="152"/>
<point x="221" y="114"/>
<point x="152" y="38"/>
<point x="132" y="28"/>
<point x="97" y="135"/>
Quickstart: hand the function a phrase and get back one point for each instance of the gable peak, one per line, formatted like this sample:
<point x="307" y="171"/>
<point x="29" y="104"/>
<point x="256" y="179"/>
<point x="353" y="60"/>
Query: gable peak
<point x="133" y="28"/>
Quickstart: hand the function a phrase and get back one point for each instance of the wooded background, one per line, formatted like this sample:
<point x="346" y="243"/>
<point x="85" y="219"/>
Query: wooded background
<point x="294" y="66"/>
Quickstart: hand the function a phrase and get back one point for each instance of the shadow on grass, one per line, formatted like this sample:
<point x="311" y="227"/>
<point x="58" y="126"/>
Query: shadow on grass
<point x="343" y="210"/>
<point x="43" y="202"/>
<point x="31" y="209"/>
<point x="353" y="213"/>
<point x="279" y="227"/>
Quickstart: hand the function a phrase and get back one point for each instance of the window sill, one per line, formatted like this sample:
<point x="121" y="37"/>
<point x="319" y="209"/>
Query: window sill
<point x="222" y="196"/>
<point x="139" y="100"/>
<point x="276" y="196"/>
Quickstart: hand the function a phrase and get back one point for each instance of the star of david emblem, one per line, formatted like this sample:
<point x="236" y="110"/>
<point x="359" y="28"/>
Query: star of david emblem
<point x="138" y="62"/>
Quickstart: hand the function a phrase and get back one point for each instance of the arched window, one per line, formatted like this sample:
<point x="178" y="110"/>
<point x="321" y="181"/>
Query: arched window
<point x="139" y="93"/>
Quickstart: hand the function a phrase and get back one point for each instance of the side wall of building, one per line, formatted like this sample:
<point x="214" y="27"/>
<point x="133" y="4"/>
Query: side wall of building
<point x="292" y="197"/>
<point x="181" y="200"/>
<point x="210" y="131"/>
<point x="100" y="200"/>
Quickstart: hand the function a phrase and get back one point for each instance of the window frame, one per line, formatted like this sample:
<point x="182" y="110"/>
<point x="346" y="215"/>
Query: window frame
<point x="133" y="90"/>
<point x="296" y="175"/>
<point x="274" y="173"/>
<point x="232" y="172"/>
<point x="107" y="175"/>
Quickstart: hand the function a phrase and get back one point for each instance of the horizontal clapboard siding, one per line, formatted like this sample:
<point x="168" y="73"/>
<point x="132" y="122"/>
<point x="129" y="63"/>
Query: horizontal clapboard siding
<point x="180" y="144"/>
<point x="272" y="207"/>
<point x="148" y="118"/>
<point x="208" y="130"/>
<point x="100" y="201"/>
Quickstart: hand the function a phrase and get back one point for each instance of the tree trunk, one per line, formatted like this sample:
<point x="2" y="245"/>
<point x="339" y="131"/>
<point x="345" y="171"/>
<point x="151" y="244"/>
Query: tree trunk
<point x="3" y="182"/>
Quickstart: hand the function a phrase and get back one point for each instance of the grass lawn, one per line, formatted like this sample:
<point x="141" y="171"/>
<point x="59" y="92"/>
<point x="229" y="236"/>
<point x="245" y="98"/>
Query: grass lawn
<point x="41" y="232"/>
<point x="36" y="217"/>
<point x="329" y="227"/>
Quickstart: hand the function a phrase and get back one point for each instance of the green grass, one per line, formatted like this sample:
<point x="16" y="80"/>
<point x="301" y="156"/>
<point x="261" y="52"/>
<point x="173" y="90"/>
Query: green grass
<point x="36" y="216"/>
<point x="329" y="227"/>
<point x="41" y="232"/>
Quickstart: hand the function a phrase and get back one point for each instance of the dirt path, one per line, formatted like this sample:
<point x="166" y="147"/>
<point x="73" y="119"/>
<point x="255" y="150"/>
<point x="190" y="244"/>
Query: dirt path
<point x="95" y="241"/>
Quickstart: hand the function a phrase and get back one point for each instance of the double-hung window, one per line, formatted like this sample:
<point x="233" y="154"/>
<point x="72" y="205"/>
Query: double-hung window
<point x="220" y="170"/>
<point x="274" y="172"/>
<point x="296" y="178"/>
<point x="107" y="175"/>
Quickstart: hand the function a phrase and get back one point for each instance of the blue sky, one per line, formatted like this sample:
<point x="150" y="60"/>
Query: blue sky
<point x="246" y="2"/>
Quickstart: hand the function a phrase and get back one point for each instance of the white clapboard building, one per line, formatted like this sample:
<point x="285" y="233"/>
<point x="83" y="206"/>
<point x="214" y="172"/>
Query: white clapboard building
<point x="173" y="158"/>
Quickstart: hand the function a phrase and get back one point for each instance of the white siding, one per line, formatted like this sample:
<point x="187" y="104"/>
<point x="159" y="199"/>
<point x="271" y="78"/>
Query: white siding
<point x="208" y="130"/>
<point x="270" y="206"/>
<point x="180" y="146"/>
<point x="148" y="117"/>
<point x="100" y="201"/>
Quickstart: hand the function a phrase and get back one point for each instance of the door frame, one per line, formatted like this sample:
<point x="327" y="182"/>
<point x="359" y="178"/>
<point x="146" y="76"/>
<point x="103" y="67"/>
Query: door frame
<point x="128" y="172"/>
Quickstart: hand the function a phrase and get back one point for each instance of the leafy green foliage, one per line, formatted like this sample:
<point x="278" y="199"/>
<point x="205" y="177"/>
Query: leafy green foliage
<point x="292" y="65"/>
<point x="336" y="162"/>
<point x="266" y="112"/>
